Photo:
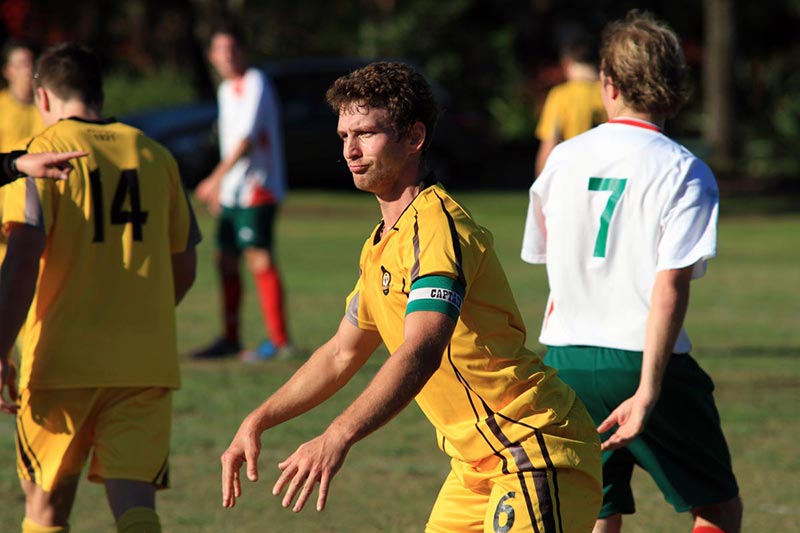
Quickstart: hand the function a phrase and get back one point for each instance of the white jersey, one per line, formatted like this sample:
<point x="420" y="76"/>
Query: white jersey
<point x="612" y="207"/>
<point x="249" y="108"/>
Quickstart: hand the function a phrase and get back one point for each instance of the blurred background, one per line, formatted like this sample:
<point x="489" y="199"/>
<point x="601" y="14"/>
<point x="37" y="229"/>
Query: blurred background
<point x="492" y="64"/>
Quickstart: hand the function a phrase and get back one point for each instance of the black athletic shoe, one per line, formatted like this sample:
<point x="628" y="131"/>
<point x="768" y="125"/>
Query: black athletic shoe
<point x="218" y="349"/>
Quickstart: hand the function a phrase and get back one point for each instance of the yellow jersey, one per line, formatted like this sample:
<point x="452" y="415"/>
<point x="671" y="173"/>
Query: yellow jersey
<point x="103" y="312"/>
<point x="18" y="122"/>
<point x="570" y="109"/>
<point x="490" y="392"/>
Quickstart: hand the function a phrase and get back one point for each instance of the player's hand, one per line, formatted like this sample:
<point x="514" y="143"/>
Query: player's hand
<point x="8" y="380"/>
<point x="53" y="165"/>
<point x="630" y="418"/>
<point x="316" y="461"/>
<point x="244" y="448"/>
<point x="207" y="191"/>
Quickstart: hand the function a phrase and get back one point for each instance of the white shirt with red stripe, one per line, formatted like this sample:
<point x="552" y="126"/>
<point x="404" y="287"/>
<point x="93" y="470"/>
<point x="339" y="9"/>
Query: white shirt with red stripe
<point x="250" y="108"/>
<point x="612" y="207"/>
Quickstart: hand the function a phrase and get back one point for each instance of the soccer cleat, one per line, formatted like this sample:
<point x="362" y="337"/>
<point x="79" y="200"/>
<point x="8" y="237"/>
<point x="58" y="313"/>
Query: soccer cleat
<point x="218" y="349"/>
<point x="266" y="350"/>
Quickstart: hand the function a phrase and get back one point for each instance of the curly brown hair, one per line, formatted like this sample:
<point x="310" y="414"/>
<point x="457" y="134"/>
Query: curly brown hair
<point x="644" y="59"/>
<point x="390" y="85"/>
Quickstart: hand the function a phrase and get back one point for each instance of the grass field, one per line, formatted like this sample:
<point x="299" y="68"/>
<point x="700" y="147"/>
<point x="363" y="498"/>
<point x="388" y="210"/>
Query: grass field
<point x="744" y="321"/>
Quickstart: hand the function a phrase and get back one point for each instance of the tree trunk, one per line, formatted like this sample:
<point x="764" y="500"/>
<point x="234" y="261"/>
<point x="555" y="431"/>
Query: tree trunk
<point x="717" y="89"/>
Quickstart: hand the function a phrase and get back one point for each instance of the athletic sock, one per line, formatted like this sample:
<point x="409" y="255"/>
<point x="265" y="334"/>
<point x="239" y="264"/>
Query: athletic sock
<point x="231" y="303"/>
<point x="270" y="296"/>
<point x="707" y="529"/>
<point x="139" y="520"/>
<point x="29" y="526"/>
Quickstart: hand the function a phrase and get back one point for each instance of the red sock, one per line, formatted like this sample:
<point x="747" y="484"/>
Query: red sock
<point x="270" y="295"/>
<point x="231" y="302"/>
<point x="707" y="529"/>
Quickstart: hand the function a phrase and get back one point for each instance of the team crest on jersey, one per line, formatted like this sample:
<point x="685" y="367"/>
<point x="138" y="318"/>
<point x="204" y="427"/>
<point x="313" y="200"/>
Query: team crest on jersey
<point x="386" y="280"/>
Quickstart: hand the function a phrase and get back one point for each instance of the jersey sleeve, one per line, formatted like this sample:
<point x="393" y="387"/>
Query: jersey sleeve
<point x="30" y="201"/>
<point x="251" y="114"/>
<point x="269" y="116"/>
<point x="689" y="226"/>
<point x="356" y="311"/>
<point x="184" y="233"/>
<point x="548" y="127"/>
<point x="534" y="238"/>
<point x="440" y="262"/>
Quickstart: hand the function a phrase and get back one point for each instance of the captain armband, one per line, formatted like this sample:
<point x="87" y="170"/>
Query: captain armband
<point x="436" y="293"/>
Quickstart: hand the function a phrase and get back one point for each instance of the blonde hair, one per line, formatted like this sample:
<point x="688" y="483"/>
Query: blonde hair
<point x="645" y="61"/>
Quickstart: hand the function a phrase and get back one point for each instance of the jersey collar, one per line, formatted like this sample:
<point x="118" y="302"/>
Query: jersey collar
<point x="101" y="122"/>
<point x="427" y="182"/>
<point x="637" y="122"/>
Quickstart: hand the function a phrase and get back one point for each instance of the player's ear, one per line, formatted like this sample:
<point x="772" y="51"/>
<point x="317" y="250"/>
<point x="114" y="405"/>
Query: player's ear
<point x="416" y="136"/>
<point x="43" y="99"/>
<point x="609" y="87"/>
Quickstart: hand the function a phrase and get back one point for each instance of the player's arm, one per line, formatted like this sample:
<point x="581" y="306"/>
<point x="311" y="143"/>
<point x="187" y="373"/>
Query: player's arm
<point x="208" y="190"/>
<point x="52" y="165"/>
<point x="669" y="302"/>
<point x="184" y="268"/>
<point x="17" y="285"/>
<point x="427" y="334"/>
<point x="545" y="147"/>
<point x="327" y="370"/>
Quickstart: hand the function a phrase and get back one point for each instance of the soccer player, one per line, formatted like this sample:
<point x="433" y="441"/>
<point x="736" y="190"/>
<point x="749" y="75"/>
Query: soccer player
<point x="625" y="218"/>
<point x="574" y="106"/>
<point x="246" y="190"/>
<point x="19" y="118"/>
<point x="524" y="453"/>
<point x="100" y="259"/>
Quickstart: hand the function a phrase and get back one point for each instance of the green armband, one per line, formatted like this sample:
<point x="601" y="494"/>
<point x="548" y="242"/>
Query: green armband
<point x="436" y="293"/>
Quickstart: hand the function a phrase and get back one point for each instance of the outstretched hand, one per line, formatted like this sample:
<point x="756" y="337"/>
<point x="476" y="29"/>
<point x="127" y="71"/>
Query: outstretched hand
<point x="207" y="191"/>
<point x="316" y="461"/>
<point x="244" y="448"/>
<point x="630" y="418"/>
<point x="53" y="165"/>
<point x="8" y="379"/>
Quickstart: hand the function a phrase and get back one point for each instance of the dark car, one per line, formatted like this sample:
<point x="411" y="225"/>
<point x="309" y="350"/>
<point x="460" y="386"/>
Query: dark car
<point x="313" y="150"/>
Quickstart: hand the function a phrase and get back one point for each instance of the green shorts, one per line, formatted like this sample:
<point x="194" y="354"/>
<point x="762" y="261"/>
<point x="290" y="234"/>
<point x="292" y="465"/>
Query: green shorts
<point x="246" y="227"/>
<point x="682" y="447"/>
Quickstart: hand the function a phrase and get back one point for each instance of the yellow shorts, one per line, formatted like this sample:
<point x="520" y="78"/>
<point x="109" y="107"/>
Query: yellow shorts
<point x="127" y="430"/>
<point x="547" y="484"/>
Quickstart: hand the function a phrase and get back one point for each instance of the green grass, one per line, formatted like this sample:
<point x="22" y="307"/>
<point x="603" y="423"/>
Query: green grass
<point x="743" y="320"/>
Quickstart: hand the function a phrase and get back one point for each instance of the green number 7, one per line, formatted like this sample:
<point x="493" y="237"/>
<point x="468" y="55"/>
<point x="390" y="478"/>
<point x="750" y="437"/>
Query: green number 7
<point x="615" y="186"/>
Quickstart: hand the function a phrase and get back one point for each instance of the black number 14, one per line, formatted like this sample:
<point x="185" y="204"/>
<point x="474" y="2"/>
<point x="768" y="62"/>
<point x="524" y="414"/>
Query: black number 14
<point x="128" y="186"/>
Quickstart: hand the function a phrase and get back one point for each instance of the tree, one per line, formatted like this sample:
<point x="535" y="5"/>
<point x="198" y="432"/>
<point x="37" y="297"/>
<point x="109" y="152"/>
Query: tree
<point x="717" y="86"/>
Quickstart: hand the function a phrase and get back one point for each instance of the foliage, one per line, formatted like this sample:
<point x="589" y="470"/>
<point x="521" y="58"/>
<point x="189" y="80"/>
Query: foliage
<point x="127" y="93"/>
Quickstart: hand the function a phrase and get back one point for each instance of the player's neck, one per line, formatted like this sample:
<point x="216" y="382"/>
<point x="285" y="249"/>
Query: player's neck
<point x="237" y="75"/>
<point x="23" y="95"/>
<point x="393" y="207"/>
<point x="625" y="112"/>
<point x="580" y="72"/>
<point x="77" y="109"/>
